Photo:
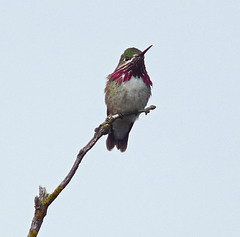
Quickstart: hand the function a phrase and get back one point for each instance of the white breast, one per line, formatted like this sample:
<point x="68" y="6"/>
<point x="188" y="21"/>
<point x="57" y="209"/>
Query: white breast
<point x="133" y="95"/>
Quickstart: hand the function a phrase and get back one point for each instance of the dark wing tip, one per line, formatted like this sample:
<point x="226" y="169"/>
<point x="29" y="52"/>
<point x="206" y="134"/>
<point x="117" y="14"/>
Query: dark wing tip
<point x="110" y="142"/>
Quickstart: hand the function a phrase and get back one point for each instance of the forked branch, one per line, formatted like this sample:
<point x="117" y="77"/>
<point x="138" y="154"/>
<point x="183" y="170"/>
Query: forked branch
<point x="43" y="201"/>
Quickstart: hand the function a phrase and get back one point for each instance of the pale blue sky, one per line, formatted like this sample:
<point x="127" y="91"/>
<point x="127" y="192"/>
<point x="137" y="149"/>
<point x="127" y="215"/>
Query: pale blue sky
<point x="180" y="175"/>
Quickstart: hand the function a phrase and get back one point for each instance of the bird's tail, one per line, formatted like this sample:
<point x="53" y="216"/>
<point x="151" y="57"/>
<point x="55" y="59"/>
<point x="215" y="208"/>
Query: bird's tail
<point x="121" y="144"/>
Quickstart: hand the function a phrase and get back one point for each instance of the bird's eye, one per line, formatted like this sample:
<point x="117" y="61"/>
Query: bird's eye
<point x="127" y="58"/>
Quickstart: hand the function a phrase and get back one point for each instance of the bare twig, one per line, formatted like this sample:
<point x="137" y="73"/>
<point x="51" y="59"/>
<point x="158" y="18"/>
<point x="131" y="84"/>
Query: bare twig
<point x="44" y="199"/>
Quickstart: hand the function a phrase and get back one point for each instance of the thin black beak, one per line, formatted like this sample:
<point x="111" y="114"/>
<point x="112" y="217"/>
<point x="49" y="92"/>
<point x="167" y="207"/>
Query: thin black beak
<point x="144" y="51"/>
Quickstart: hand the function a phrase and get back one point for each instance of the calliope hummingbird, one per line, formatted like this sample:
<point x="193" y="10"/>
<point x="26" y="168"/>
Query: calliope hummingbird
<point x="127" y="90"/>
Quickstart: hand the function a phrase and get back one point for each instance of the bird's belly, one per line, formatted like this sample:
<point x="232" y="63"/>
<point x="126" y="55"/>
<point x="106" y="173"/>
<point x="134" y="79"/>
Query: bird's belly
<point x="131" y="96"/>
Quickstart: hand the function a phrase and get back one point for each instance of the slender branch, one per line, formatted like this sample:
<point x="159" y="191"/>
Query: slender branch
<point x="44" y="199"/>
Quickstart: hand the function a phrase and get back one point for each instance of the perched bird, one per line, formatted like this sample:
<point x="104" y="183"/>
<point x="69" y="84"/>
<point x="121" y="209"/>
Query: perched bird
<point x="128" y="89"/>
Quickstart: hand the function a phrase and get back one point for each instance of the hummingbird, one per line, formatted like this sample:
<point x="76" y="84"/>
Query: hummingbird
<point x="127" y="90"/>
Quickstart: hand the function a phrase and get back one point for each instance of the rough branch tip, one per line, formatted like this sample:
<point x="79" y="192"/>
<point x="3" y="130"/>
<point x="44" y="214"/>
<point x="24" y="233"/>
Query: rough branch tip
<point x="44" y="199"/>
